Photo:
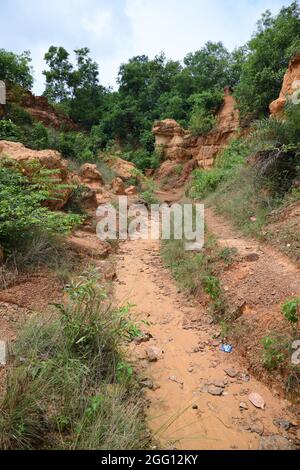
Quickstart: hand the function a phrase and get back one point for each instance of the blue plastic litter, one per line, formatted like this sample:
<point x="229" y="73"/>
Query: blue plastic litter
<point x="226" y="348"/>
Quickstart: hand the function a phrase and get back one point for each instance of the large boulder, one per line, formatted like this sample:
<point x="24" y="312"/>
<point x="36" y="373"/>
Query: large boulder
<point x="50" y="159"/>
<point x="291" y="82"/>
<point x="122" y="168"/>
<point x="90" y="173"/>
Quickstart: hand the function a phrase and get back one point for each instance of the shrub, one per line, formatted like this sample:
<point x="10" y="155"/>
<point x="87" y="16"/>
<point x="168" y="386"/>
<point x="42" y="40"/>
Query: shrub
<point x="9" y="130"/>
<point x="275" y="351"/>
<point x="205" y="106"/>
<point x="21" y="206"/>
<point x="70" y="386"/>
<point x="18" y="115"/>
<point x="275" y="144"/>
<point x="202" y="123"/>
<point x="204" y="182"/>
<point x="37" y="137"/>
<point x="290" y="310"/>
<point x="143" y="159"/>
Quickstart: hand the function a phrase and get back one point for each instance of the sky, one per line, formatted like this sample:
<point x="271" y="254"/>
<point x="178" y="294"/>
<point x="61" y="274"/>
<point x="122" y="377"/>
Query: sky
<point x="117" y="30"/>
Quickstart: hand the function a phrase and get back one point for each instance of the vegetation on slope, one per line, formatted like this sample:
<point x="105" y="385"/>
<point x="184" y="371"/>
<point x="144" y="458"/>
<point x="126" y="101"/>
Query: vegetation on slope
<point x="70" y="386"/>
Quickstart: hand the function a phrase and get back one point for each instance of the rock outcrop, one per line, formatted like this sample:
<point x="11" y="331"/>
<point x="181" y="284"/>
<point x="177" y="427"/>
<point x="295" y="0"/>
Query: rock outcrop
<point x="89" y="173"/>
<point x="38" y="107"/>
<point x="50" y="159"/>
<point x="291" y="83"/>
<point x="121" y="168"/>
<point x="118" y="186"/>
<point x="180" y="147"/>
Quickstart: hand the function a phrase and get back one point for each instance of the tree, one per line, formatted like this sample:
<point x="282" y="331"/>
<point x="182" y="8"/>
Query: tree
<point x="16" y="68"/>
<point x="269" y="52"/>
<point x="59" y="75"/>
<point x="77" y="87"/>
<point x="209" y="67"/>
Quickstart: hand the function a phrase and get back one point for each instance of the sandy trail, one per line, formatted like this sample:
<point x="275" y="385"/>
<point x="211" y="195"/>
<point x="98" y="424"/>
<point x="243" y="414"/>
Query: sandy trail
<point x="182" y="414"/>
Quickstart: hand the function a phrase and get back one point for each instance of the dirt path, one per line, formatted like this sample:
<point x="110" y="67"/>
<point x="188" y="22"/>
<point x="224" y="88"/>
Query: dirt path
<point x="182" y="412"/>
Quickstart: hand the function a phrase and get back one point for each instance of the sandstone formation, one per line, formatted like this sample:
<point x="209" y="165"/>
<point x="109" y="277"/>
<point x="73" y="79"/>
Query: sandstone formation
<point x="38" y="108"/>
<point x="291" y="83"/>
<point x="122" y="168"/>
<point x="50" y="159"/>
<point x="180" y="147"/>
<point x="90" y="173"/>
<point x="118" y="186"/>
<point x="131" y="191"/>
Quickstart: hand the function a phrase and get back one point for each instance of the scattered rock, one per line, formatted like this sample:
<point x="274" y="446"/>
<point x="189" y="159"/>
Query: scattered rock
<point x="143" y="338"/>
<point x="243" y="406"/>
<point x="231" y="372"/>
<point x="245" y="377"/>
<point x="257" y="428"/>
<point x="216" y="391"/>
<point x="283" y="424"/>
<point x="147" y="383"/>
<point x="218" y="383"/>
<point x="257" y="400"/>
<point x="153" y="353"/>
<point x="275" y="442"/>
<point x="173" y="378"/>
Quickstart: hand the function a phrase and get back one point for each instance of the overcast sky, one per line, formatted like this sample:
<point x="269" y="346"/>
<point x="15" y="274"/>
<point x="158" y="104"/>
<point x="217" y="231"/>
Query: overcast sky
<point x="119" y="29"/>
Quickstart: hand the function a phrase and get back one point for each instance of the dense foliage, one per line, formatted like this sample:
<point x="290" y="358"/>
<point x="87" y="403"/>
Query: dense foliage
<point x="22" y="209"/>
<point x="148" y="89"/>
<point x="276" y="40"/>
<point x="16" y="68"/>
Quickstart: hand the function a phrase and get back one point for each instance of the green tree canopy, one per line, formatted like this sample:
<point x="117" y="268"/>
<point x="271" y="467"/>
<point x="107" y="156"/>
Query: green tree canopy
<point x="268" y="55"/>
<point x="16" y="68"/>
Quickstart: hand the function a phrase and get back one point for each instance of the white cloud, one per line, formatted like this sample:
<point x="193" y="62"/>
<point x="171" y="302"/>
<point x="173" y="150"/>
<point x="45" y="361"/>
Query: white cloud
<point x="99" y="24"/>
<point x="116" y="31"/>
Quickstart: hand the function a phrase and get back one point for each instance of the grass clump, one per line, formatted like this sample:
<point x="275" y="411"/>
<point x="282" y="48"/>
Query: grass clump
<point x="197" y="272"/>
<point x="205" y="182"/>
<point x="70" y="386"/>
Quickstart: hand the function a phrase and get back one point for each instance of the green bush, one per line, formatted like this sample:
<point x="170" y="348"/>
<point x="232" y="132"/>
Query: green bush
<point x="290" y="310"/>
<point x="69" y="385"/>
<point x="36" y="137"/>
<point x="275" y="145"/>
<point x="205" y="182"/>
<point x="9" y="130"/>
<point x="18" y="115"/>
<point x="202" y="123"/>
<point x="275" y="351"/>
<point x="22" y="211"/>
<point x="205" y="106"/>
<point x="143" y="159"/>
